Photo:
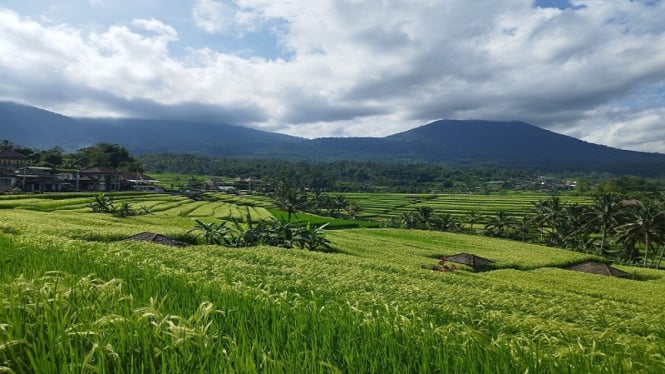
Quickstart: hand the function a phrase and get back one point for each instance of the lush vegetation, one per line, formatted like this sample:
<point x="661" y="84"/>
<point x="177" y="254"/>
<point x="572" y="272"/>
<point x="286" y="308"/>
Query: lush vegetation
<point x="102" y="154"/>
<point x="76" y="298"/>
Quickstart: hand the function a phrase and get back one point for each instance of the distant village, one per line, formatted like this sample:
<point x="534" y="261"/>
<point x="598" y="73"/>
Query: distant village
<point x="17" y="173"/>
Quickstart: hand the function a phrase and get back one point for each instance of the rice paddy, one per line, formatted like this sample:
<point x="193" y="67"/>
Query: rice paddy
<point x="76" y="298"/>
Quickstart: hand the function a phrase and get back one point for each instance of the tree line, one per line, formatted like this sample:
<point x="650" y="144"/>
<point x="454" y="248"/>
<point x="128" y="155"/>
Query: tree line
<point x="101" y="154"/>
<point x="627" y="229"/>
<point x="374" y="176"/>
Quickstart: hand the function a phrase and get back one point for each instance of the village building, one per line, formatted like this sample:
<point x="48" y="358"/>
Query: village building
<point x="99" y="178"/>
<point x="12" y="160"/>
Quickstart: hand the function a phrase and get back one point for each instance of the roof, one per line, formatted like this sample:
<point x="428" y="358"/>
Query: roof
<point x="136" y="176"/>
<point x="100" y="170"/>
<point x="598" y="268"/>
<point x="469" y="259"/>
<point x="157" y="238"/>
<point x="7" y="153"/>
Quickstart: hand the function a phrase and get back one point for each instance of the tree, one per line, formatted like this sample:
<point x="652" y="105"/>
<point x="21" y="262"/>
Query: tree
<point x="604" y="213"/>
<point x="289" y="198"/>
<point x="446" y="222"/>
<point x="339" y="203"/>
<point x="53" y="157"/>
<point x="500" y="224"/>
<point x="424" y="216"/>
<point x="107" y="155"/>
<point x="574" y="229"/>
<point x="523" y="229"/>
<point x="354" y="210"/>
<point x="6" y="145"/>
<point x="472" y="217"/>
<point x="645" y="224"/>
<point x="409" y="220"/>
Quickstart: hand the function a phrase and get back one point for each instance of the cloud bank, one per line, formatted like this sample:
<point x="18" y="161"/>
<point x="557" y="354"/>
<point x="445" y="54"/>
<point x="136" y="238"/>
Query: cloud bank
<point x="595" y="70"/>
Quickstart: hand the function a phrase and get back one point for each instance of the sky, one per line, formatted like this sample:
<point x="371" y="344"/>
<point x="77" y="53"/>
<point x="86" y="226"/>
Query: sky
<point x="592" y="69"/>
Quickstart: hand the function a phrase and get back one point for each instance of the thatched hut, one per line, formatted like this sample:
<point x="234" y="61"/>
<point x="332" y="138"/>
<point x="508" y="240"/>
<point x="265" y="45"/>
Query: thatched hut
<point x="598" y="268"/>
<point x="157" y="238"/>
<point x="476" y="262"/>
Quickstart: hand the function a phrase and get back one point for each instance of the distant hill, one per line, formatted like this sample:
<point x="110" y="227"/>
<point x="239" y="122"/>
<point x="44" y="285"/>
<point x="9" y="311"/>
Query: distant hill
<point x="41" y="129"/>
<point x="503" y="144"/>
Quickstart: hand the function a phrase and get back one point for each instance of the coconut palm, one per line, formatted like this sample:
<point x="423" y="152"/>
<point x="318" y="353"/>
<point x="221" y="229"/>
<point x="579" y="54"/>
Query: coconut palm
<point x="605" y="213"/>
<point x="500" y="224"/>
<point x="409" y="220"/>
<point x="523" y="229"/>
<point x="446" y="222"/>
<point x="339" y="203"/>
<point x="425" y="216"/>
<point x="554" y="216"/>
<point x="289" y="198"/>
<point x="645" y="224"/>
<point x="471" y="218"/>
<point x="573" y="229"/>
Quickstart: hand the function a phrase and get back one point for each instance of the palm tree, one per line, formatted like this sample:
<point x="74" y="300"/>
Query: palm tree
<point x="539" y="213"/>
<point x="605" y="212"/>
<point x="446" y="222"/>
<point x="523" y="229"/>
<point x="646" y="222"/>
<point x="409" y="220"/>
<point x="554" y="216"/>
<point x="472" y="217"/>
<point x="573" y="231"/>
<point x="289" y="198"/>
<point x="354" y="210"/>
<point x="500" y="224"/>
<point x="339" y="203"/>
<point x="425" y="215"/>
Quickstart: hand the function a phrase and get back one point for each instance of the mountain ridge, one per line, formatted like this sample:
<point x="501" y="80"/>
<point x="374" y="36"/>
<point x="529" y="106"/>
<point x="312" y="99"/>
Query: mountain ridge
<point x="512" y="144"/>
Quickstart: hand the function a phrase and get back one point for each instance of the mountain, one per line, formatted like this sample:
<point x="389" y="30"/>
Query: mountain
<point x="41" y="129"/>
<point x="503" y="144"/>
<point x="511" y="143"/>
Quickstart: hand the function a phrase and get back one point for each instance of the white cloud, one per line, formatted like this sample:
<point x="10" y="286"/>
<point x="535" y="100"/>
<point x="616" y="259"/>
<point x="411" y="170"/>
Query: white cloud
<point x="367" y="67"/>
<point x="212" y="16"/>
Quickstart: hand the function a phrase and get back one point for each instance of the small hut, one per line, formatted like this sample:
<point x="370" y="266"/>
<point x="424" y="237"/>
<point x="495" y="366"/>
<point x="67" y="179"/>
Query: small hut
<point x="598" y="268"/>
<point x="476" y="262"/>
<point x="157" y="238"/>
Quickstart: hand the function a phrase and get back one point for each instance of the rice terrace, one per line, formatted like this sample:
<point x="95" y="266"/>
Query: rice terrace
<point x="78" y="297"/>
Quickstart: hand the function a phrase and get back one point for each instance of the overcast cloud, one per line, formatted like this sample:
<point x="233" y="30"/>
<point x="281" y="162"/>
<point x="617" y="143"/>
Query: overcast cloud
<point x="594" y="69"/>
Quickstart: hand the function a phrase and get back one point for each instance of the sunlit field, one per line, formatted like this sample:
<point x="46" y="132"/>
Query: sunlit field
<point x="78" y="298"/>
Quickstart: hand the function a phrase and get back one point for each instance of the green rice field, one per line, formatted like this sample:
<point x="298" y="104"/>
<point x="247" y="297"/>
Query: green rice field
<point x="381" y="206"/>
<point x="75" y="297"/>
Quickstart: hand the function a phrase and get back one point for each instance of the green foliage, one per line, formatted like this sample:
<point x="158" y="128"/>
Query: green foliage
<point x="107" y="155"/>
<point x="276" y="233"/>
<point x="102" y="203"/>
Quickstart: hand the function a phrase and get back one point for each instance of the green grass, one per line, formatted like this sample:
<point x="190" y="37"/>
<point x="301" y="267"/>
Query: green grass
<point x="333" y="223"/>
<point x="75" y="299"/>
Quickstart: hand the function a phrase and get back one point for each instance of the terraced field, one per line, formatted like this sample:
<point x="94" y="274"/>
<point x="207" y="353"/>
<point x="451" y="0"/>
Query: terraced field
<point x="384" y="206"/>
<point x="75" y="297"/>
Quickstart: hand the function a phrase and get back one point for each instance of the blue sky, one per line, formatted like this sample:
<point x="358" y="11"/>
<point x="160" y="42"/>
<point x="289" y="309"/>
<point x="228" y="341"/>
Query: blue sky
<point x="592" y="69"/>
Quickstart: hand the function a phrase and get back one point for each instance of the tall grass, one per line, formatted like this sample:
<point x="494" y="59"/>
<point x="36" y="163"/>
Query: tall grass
<point x="70" y="303"/>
